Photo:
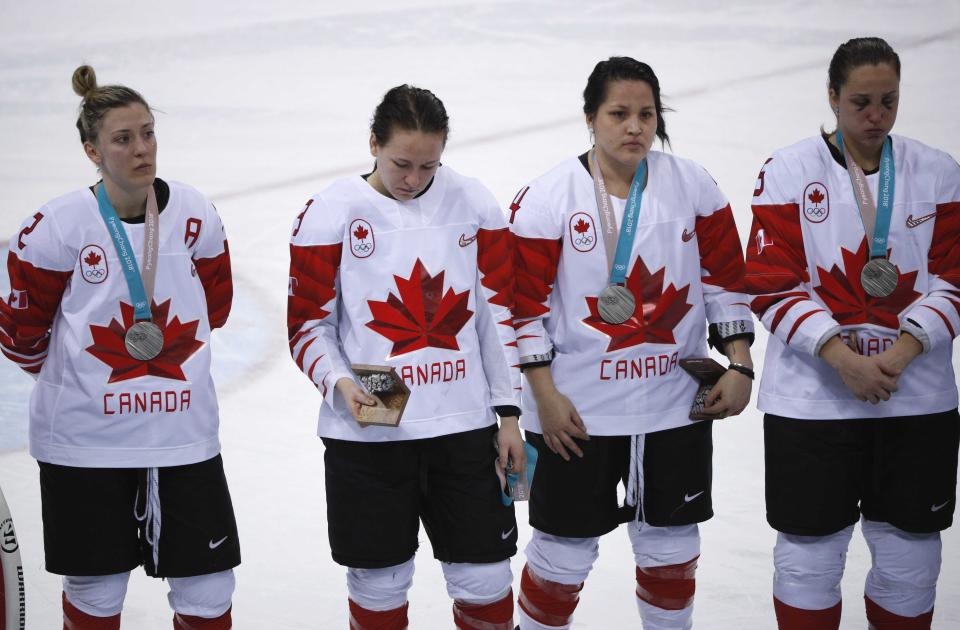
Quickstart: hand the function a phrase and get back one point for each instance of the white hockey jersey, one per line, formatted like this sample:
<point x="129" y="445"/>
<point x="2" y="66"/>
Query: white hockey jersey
<point x="93" y="404"/>
<point x="806" y="251"/>
<point x="424" y="286"/>
<point x="686" y="268"/>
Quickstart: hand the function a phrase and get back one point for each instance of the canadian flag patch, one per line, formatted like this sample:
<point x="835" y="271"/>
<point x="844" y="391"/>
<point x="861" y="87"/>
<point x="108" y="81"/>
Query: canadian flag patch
<point x="18" y="300"/>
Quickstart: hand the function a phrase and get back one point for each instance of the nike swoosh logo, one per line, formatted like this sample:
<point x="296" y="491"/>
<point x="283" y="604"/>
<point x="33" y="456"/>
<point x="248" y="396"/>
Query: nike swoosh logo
<point x="937" y="508"/>
<point x="464" y="241"/>
<point x="687" y="236"/>
<point x="912" y="223"/>
<point x="214" y="545"/>
<point x="687" y="498"/>
<point x="507" y="533"/>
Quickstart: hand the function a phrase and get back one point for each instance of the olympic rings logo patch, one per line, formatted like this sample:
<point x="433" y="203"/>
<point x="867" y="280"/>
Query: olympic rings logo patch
<point x="362" y="241"/>
<point x="816" y="202"/>
<point x="93" y="264"/>
<point x="583" y="233"/>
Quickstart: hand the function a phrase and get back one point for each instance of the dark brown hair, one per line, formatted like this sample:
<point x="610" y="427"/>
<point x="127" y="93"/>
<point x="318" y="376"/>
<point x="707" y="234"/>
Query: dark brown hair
<point x="411" y="109"/>
<point x="860" y="51"/>
<point x="623" y="69"/>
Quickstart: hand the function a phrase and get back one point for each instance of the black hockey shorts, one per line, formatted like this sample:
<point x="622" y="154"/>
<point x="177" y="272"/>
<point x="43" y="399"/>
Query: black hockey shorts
<point x="579" y="499"/>
<point x="91" y="524"/>
<point x="378" y="492"/>
<point x="821" y="475"/>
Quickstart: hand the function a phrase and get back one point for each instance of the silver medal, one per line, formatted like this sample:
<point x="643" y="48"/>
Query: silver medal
<point x="616" y="304"/>
<point x="144" y="341"/>
<point x="879" y="277"/>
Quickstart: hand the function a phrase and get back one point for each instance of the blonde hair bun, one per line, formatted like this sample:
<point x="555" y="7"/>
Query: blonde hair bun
<point x="84" y="81"/>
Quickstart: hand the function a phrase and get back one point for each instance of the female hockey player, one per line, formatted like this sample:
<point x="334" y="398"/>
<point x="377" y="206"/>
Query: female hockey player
<point x="114" y="291"/>
<point x="604" y="315"/>
<point x="854" y="265"/>
<point x="410" y="267"/>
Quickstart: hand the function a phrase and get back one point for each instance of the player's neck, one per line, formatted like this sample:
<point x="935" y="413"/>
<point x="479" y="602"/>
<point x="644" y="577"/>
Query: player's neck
<point x="128" y="203"/>
<point x="867" y="158"/>
<point x="377" y="184"/>
<point x="617" y="177"/>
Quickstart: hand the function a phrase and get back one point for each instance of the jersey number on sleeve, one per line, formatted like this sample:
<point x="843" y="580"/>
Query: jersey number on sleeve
<point x="759" y="189"/>
<point x="515" y="205"/>
<point x="27" y="230"/>
<point x="296" y="230"/>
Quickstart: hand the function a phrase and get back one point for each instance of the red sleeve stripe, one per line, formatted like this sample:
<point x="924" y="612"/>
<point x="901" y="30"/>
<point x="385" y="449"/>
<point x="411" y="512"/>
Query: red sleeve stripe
<point x="296" y="338"/>
<point x="536" y="271"/>
<point x="21" y="360"/>
<point x="946" y="322"/>
<point x="777" y="262"/>
<point x="800" y="320"/>
<point x="944" y="256"/>
<point x="303" y="351"/>
<point x="24" y="330"/>
<point x="313" y="273"/>
<point x="720" y="252"/>
<point x="956" y="305"/>
<point x="782" y="312"/>
<point x="217" y="281"/>
<point x="313" y="366"/>
<point x="761" y="303"/>
<point x="495" y="261"/>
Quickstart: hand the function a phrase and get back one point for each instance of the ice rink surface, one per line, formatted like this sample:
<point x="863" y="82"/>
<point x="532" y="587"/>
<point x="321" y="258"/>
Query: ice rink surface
<point x="261" y="104"/>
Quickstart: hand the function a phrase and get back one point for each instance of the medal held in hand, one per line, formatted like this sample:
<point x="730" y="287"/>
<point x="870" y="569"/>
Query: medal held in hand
<point x="616" y="303"/>
<point x="879" y="277"/>
<point x="707" y="372"/>
<point x="143" y="340"/>
<point x="384" y="384"/>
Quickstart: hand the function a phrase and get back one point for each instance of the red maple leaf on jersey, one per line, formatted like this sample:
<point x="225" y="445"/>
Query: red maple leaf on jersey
<point x="361" y="232"/>
<point x="92" y="259"/>
<point x="423" y="315"/>
<point x="581" y="226"/>
<point x="816" y="196"/>
<point x="656" y="314"/>
<point x="841" y="291"/>
<point x="179" y="344"/>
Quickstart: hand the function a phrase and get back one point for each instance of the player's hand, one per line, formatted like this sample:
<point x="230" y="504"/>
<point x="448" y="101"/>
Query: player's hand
<point x="354" y="396"/>
<point x="862" y="375"/>
<point x="864" y="378"/>
<point x="560" y="424"/>
<point x="511" y="445"/>
<point x="895" y="359"/>
<point x="730" y="395"/>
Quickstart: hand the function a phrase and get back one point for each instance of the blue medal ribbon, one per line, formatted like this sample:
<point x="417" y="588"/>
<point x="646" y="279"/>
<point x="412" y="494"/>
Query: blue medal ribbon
<point x="884" y="206"/>
<point x="628" y="230"/>
<point x="128" y="261"/>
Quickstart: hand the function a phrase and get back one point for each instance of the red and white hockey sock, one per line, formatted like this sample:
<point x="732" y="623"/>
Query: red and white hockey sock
<point x="548" y="603"/>
<point x="192" y="622"/>
<point x="665" y="594"/>
<point x="496" y="615"/>
<point x="790" y="618"/>
<point x="879" y="618"/>
<point x="363" y="619"/>
<point x="76" y="619"/>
